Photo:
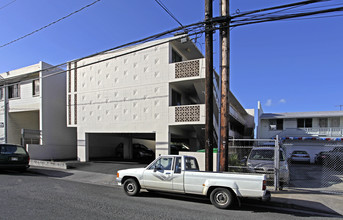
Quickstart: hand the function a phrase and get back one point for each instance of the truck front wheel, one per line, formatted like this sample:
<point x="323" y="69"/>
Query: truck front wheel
<point x="221" y="198"/>
<point x="131" y="187"/>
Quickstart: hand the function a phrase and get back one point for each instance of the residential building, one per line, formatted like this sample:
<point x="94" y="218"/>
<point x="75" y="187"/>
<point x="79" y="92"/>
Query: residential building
<point x="152" y="93"/>
<point x="32" y="112"/>
<point x="310" y="131"/>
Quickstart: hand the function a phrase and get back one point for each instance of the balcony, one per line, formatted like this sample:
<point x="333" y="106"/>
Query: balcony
<point x="328" y="132"/>
<point x="191" y="69"/>
<point x="187" y="114"/>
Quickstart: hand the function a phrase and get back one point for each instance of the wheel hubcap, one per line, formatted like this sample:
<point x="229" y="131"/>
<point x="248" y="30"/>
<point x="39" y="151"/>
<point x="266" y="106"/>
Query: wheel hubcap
<point x="130" y="187"/>
<point x="221" y="198"/>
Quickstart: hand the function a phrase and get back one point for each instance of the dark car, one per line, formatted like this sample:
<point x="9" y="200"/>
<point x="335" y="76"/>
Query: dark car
<point x="175" y="148"/>
<point x="140" y="151"/>
<point x="13" y="157"/>
<point x="320" y="157"/>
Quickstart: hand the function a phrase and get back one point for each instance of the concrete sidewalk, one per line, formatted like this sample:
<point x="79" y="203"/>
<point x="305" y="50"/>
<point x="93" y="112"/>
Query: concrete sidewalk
<point x="104" y="173"/>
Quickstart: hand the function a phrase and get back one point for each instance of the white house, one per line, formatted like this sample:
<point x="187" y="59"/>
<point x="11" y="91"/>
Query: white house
<point x="152" y="93"/>
<point x="310" y="131"/>
<point x="32" y="112"/>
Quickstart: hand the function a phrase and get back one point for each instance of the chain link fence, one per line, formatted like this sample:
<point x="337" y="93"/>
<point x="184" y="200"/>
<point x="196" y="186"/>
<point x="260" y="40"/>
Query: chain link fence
<point x="290" y="168"/>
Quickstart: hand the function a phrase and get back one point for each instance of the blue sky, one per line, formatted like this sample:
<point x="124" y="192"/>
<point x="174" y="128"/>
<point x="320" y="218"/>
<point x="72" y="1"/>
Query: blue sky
<point x="290" y="66"/>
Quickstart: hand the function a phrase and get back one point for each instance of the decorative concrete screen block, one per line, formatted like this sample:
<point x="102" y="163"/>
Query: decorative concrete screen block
<point x="187" y="69"/>
<point x="187" y="113"/>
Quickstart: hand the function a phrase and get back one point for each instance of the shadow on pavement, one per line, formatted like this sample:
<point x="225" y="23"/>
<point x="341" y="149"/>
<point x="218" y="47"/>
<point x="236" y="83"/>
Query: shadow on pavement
<point x="48" y="172"/>
<point x="253" y="205"/>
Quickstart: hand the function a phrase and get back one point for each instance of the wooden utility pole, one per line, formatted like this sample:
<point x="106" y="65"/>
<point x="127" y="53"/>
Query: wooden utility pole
<point x="209" y="86"/>
<point x="225" y="88"/>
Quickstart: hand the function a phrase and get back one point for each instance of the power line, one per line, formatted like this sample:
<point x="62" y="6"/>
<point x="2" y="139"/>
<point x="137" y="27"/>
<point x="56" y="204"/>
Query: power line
<point x="35" y="31"/>
<point x="7" y="4"/>
<point x="195" y="29"/>
<point x="168" y="11"/>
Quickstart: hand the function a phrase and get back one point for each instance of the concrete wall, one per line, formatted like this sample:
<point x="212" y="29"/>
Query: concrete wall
<point x="57" y="137"/>
<point x="129" y="94"/>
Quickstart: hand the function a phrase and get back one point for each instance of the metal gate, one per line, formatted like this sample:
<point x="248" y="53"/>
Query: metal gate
<point x="273" y="158"/>
<point x="262" y="156"/>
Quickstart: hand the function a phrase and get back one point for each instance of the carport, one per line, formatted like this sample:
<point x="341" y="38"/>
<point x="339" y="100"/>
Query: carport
<point x="105" y="145"/>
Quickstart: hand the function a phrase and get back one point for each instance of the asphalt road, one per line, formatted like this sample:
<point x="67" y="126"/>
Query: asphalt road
<point x="33" y="196"/>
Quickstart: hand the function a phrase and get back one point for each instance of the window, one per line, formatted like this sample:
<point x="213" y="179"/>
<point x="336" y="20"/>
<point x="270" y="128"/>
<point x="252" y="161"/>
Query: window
<point x="176" y="57"/>
<point x="276" y="124"/>
<point x="164" y="163"/>
<point x="191" y="164"/>
<point x="176" y="98"/>
<point x="14" y="91"/>
<point x="323" y="122"/>
<point x="304" y="122"/>
<point x="35" y="87"/>
<point x="335" y="122"/>
<point x="1" y="93"/>
<point x="177" y="168"/>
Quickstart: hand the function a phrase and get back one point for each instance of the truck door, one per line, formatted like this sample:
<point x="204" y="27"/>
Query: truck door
<point x="178" y="175"/>
<point x="159" y="175"/>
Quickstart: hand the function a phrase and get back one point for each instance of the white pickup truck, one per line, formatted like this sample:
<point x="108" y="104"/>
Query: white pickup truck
<point x="180" y="174"/>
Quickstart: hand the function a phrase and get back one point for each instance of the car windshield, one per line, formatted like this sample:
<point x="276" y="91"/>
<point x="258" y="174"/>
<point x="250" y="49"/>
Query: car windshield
<point x="264" y="154"/>
<point x="10" y="149"/>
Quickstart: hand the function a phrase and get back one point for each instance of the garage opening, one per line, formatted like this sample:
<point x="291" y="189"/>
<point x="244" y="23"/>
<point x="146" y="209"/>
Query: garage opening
<point x="121" y="146"/>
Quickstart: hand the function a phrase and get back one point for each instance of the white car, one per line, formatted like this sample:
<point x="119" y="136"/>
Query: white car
<point x="261" y="160"/>
<point x="300" y="156"/>
<point x="180" y="174"/>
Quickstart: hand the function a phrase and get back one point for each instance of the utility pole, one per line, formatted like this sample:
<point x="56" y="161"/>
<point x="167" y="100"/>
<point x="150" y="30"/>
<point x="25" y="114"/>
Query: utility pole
<point x="225" y="88"/>
<point x="209" y="86"/>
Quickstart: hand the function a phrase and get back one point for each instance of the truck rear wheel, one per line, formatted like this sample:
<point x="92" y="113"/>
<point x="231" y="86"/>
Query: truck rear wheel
<point x="131" y="187"/>
<point x="221" y="198"/>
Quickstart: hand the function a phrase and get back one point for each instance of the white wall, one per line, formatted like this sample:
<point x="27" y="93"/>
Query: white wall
<point x="129" y="94"/>
<point x="60" y="139"/>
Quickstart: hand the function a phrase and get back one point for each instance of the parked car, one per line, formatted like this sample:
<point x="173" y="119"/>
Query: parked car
<point x="320" y="157"/>
<point x="175" y="148"/>
<point x="139" y="151"/>
<point x="334" y="158"/>
<point x="300" y="156"/>
<point x="261" y="160"/>
<point x="13" y="157"/>
<point x="180" y="174"/>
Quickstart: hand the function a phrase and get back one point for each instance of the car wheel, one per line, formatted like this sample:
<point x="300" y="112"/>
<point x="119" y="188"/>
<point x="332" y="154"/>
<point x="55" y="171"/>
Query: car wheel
<point x="131" y="187"/>
<point x="221" y="198"/>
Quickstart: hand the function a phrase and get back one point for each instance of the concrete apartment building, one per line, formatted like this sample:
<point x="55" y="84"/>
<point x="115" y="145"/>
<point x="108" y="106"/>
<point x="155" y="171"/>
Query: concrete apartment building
<point x="152" y="93"/>
<point x="32" y="112"/>
<point x="310" y="131"/>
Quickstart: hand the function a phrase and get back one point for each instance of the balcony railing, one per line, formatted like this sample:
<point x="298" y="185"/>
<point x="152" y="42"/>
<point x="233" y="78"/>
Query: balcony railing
<point x="187" y="69"/>
<point x="330" y="132"/>
<point x="187" y="114"/>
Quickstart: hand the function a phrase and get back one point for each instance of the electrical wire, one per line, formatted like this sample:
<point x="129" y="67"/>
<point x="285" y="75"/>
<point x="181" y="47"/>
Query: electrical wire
<point x="7" y="4"/>
<point x="168" y="11"/>
<point x="48" y="25"/>
<point x="194" y="29"/>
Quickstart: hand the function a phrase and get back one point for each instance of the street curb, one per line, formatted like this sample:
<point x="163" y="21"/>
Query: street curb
<point x="48" y="164"/>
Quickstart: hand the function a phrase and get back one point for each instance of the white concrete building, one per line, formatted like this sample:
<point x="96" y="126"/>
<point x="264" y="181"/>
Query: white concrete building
<point x="32" y="112"/>
<point x="310" y="131"/>
<point x="152" y="93"/>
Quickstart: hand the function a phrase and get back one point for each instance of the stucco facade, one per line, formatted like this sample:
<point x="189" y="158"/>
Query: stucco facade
<point x="152" y="92"/>
<point x="34" y="100"/>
